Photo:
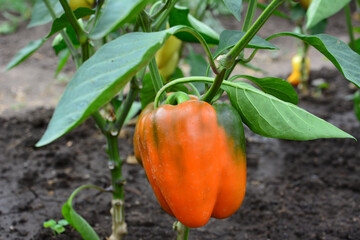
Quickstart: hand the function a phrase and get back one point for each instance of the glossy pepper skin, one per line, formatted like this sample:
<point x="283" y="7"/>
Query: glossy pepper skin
<point x="194" y="157"/>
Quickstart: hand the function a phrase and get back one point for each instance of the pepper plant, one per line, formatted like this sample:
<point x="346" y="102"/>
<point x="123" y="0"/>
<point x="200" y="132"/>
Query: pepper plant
<point x="121" y="44"/>
<point x="310" y="17"/>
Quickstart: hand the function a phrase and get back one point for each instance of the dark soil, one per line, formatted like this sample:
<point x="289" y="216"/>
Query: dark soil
<point x="296" y="190"/>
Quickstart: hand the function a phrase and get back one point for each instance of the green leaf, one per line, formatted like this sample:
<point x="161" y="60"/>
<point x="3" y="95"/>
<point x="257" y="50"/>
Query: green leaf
<point x="229" y="38"/>
<point x="63" y="222"/>
<point x="49" y="223"/>
<point x="339" y="53"/>
<point x="147" y="93"/>
<point x="101" y="77"/>
<point x="115" y="14"/>
<point x="234" y="7"/>
<point x="275" y="86"/>
<point x="198" y="67"/>
<point x="63" y="58"/>
<point x="135" y="108"/>
<point x="40" y="14"/>
<point x="59" y="44"/>
<point x="321" y="9"/>
<point x="319" y="27"/>
<point x="357" y="45"/>
<point x="181" y="16"/>
<point x="58" y="229"/>
<point x="357" y="104"/>
<point x="26" y="52"/>
<point x="271" y="117"/>
<point x="62" y="22"/>
<point x="75" y="220"/>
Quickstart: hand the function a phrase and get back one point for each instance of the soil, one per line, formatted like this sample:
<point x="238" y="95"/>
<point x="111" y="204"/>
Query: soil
<point x="295" y="190"/>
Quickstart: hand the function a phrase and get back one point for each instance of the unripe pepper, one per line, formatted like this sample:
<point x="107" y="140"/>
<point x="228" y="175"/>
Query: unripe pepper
<point x="295" y="76"/>
<point x="167" y="57"/>
<point x="194" y="157"/>
<point x="75" y="4"/>
<point x="305" y="3"/>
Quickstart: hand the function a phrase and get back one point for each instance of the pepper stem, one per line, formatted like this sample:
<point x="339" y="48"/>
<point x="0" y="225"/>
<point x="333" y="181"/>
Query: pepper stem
<point x="177" y="98"/>
<point x="182" y="230"/>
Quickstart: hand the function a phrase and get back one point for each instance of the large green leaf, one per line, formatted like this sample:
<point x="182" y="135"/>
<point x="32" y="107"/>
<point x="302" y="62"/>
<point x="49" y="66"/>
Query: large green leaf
<point x="271" y="117"/>
<point x="115" y="14"/>
<point x="234" y="7"/>
<point x="275" y="86"/>
<point x="101" y="77"/>
<point x="228" y="38"/>
<point x="339" y="53"/>
<point x="181" y="16"/>
<point x="75" y="220"/>
<point x="321" y="9"/>
<point x="40" y="14"/>
<point x="25" y="52"/>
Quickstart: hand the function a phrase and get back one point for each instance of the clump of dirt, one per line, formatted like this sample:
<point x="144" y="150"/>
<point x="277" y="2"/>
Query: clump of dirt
<point x="295" y="190"/>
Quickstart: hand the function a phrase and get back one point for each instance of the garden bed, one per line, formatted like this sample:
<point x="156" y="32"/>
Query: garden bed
<point x="295" y="190"/>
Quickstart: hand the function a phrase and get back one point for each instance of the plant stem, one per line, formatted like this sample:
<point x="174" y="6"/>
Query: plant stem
<point x="163" y="8"/>
<point x="160" y="20"/>
<point x="249" y="15"/>
<point x="156" y="79"/>
<point x="182" y="231"/>
<point x="100" y="121"/>
<point x="81" y="34"/>
<point x="210" y="94"/>
<point x="350" y="27"/>
<point x="230" y="58"/>
<point x="155" y="75"/>
<point x="123" y="112"/>
<point x="237" y="49"/>
<point x="74" y="53"/>
<point x="204" y="45"/>
<point x="178" y="81"/>
<point x="117" y="211"/>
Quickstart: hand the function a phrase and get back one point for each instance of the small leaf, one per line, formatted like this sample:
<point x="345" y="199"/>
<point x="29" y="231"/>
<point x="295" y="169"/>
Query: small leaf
<point x="115" y="14"/>
<point x="271" y="117"/>
<point x="339" y="53"/>
<point x="181" y="16"/>
<point x="40" y="14"/>
<point x="75" y="220"/>
<point x="229" y="38"/>
<point x="62" y="22"/>
<point x="63" y="222"/>
<point x="234" y="7"/>
<point x="101" y="77"/>
<point x="275" y="86"/>
<point x="58" y="229"/>
<point x="49" y="223"/>
<point x="63" y="58"/>
<point x="321" y="9"/>
<point x="26" y="52"/>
